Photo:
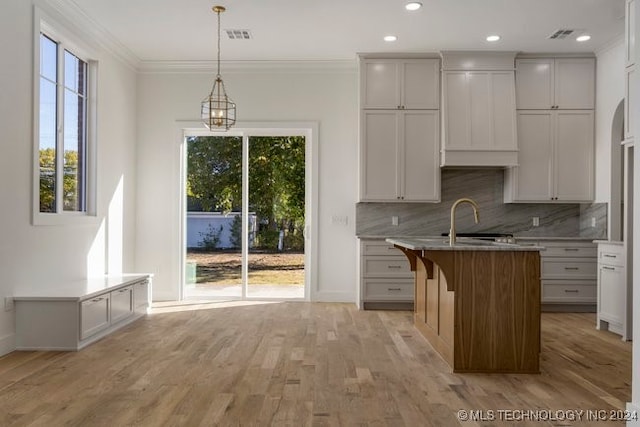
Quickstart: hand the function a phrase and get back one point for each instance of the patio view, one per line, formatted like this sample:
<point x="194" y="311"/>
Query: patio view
<point x="274" y="223"/>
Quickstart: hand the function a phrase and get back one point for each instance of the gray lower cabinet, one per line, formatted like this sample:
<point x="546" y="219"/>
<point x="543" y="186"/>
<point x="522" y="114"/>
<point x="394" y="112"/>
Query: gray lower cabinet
<point x="568" y="274"/>
<point x="386" y="280"/>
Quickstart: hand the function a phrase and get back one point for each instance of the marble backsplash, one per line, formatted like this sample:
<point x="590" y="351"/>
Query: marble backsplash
<point x="485" y="186"/>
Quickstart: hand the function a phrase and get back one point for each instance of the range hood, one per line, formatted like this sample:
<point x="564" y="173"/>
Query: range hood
<point x="478" y="109"/>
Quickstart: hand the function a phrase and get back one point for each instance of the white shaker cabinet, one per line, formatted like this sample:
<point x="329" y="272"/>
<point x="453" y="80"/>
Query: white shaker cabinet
<point x="555" y="83"/>
<point x="399" y="156"/>
<point x="614" y="296"/>
<point x="556" y="157"/>
<point x="400" y="84"/>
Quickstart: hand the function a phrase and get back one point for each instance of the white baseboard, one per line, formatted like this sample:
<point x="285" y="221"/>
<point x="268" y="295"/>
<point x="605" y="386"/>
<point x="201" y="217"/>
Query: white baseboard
<point x="7" y="344"/>
<point x="634" y="407"/>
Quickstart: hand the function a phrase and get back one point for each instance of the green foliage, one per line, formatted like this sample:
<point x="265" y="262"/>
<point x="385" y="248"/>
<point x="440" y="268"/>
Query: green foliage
<point x="70" y="189"/>
<point x="211" y="238"/>
<point x="276" y="181"/>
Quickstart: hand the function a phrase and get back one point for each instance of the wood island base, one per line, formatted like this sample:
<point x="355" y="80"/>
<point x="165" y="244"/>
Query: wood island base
<point x="480" y="310"/>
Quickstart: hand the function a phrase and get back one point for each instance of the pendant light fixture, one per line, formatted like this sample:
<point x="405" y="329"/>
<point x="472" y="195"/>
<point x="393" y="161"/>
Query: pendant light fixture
<point x="218" y="110"/>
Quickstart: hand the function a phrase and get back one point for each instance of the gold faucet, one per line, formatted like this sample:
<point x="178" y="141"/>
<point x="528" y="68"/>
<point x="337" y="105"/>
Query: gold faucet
<point x="452" y="231"/>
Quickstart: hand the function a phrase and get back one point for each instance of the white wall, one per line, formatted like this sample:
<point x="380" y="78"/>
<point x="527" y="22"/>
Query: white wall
<point x="48" y="255"/>
<point x="609" y="93"/>
<point x="327" y="96"/>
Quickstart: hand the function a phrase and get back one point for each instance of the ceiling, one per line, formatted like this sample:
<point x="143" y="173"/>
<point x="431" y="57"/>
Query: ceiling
<point x="185" y="30"/>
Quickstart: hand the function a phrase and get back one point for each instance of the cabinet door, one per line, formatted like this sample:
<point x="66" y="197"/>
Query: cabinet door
<point x="141" y="296"/>
<point x="457" y="110"/>
<point x="380" y="85"/>
<point x="534" y="84"/>
<point x="378" y="176"/>
<point x="121" y="304"/>
<point x="419" y="152"/>
<point x="94" y="315"/>
<point x="574" y="165"/>
<point x="611" y="293"/>
<point x="629" y="101"/>
<point x="630" y="32"/>
<point x="533" y="176"/>
<point x="575" y="83"/>
<point x="420" y="84"/>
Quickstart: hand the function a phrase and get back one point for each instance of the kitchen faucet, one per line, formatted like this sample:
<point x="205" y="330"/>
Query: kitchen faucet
<point x="452" y="231"/>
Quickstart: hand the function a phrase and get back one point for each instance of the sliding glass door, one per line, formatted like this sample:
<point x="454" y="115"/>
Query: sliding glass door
<point x="245" y="217"/>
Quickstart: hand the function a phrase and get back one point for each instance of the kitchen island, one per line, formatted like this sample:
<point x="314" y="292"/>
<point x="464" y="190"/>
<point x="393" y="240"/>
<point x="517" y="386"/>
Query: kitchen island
<point x="477" y="302"/>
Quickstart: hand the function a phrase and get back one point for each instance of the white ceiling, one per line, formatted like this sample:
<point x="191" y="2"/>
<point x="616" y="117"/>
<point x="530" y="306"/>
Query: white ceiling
<point x="185" y="30"/>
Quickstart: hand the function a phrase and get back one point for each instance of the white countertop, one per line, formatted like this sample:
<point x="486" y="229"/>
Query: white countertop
<point x="78" y="290"/>
<point x="462" y="244"/>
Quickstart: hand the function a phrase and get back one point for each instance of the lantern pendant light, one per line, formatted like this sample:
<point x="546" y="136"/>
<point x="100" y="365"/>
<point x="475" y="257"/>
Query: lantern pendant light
<point x="218" y="110"/>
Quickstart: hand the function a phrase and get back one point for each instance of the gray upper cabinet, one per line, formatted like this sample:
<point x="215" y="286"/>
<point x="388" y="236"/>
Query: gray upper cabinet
<point x="399" y="84"/>
<point x="555" y="83"/>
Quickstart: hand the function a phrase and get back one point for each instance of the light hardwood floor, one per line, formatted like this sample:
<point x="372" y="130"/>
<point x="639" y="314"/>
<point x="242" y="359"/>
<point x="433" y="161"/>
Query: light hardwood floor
<point x="298" y="364"/>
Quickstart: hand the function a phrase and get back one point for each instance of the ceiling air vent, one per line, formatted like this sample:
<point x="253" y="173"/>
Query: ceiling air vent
<point x="239" y="34"/>
<point x="561" y="34"/>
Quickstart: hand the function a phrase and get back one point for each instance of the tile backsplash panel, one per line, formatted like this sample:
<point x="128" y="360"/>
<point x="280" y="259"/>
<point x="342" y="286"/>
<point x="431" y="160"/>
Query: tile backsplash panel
<point x="485" y="186"/>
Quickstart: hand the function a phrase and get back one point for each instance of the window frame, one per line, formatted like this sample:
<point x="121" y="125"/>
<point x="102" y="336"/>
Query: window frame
<point x="71" y="42"/>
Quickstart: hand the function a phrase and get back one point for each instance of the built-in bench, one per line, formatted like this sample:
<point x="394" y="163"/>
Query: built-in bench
<point x="76" y="314"/>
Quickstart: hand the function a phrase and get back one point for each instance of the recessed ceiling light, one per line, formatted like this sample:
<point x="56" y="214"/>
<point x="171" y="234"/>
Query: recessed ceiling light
<point x="413" y="5"/>
<point x="583" y="38"/>
<point x="390" y="38"/>
<point x="493" y="38"/>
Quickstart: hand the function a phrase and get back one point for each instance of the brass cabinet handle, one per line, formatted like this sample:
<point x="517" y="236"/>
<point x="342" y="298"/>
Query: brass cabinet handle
<point x="571" y="291"/>
<point x="571" y="249"/>
<point x="394" y="289"/>
<point x="610" y="256"/>
<point x="394" y="266"/>
<point x="604" y="267"/>
<point x="572" y="268"/>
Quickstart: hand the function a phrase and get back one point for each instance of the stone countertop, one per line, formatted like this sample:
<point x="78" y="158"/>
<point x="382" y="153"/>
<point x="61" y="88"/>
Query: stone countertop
<point x="462" y="244"/>
<point x="609" y="242"/>
<point x="525" y="238"/>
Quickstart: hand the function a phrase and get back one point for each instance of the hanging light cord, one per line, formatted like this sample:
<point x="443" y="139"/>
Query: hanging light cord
<point x="218" y="75"/>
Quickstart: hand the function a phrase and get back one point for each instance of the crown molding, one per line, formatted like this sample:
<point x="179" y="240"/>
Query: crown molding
<point x="612" y="44"/>
<point x="239" y="67"/>
<point x="75" y="17"/>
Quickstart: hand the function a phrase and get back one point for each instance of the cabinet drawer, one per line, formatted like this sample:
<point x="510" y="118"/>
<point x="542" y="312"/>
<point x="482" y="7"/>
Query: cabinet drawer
<point x="94" y="315"/>
<point x="568" y="269"/>
<point x="379" y="266"/>
<point x="121" y="303"/>
<point x="388" y="290"/>
<point x="569" y="293"/>
<point x="380" y="248"/>
<point x="568" y="251"/>
<point x="611" y="255"/>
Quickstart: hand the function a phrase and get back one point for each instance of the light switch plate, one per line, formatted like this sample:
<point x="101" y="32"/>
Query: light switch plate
<point x="8" y="303"/>
<point x="536" y="221"/>
<point x="394" y="220"/>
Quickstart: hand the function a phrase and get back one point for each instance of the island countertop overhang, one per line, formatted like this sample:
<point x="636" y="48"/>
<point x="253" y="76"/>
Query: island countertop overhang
<point x="462" y="244"/>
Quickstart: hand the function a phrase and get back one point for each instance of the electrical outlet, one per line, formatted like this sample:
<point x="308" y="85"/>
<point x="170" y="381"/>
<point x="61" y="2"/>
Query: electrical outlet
<point x="339" y="220"/>
<point x="8" y="303"/>
<point x="394" y="220"/>
<point x="593" y="221"/>
<point x="536" y="221"/>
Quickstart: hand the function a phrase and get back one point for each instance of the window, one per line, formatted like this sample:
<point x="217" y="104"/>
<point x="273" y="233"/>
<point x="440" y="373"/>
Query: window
<point x="63" y="130"/>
